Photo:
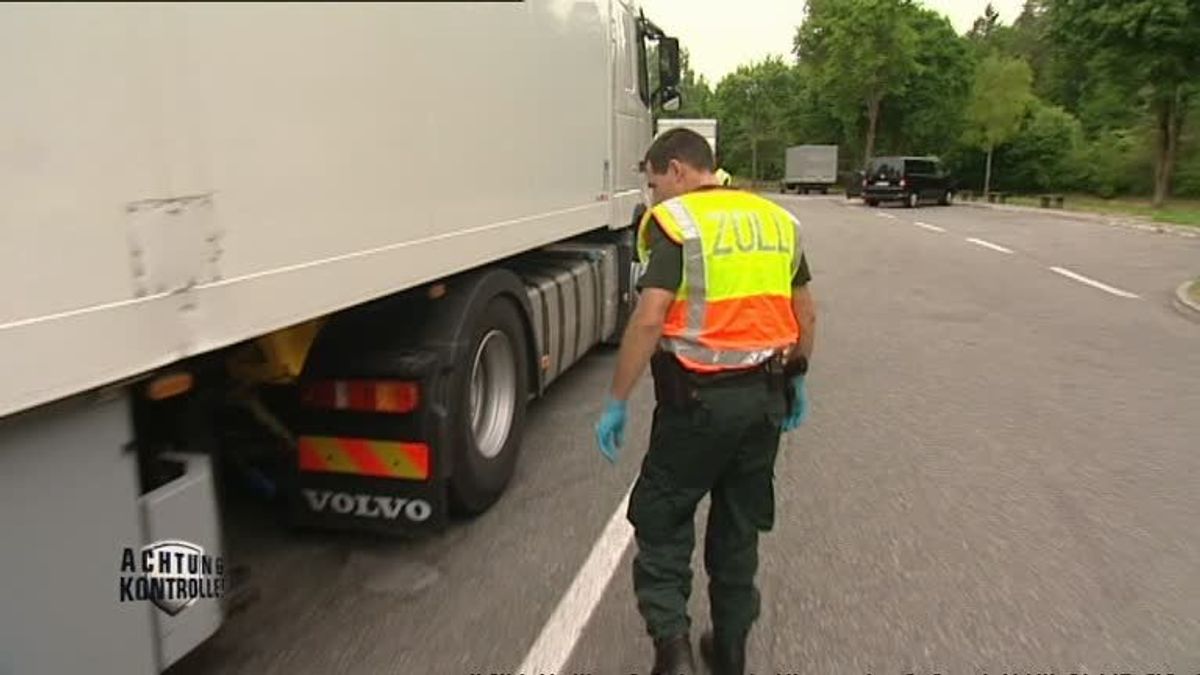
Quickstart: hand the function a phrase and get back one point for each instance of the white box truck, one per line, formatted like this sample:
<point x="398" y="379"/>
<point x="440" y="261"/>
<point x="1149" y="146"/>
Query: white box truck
<point x="368" y="233"/>
<point x="705" y="127"/>
<point x="810" y="167"/>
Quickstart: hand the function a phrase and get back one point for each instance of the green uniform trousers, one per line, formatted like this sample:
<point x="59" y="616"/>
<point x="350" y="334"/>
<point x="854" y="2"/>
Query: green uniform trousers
<point x="723" y="444"/>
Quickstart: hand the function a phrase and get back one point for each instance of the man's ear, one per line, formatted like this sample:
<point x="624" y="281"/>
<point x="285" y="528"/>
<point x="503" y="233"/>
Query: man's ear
<point x="676" y="169"/>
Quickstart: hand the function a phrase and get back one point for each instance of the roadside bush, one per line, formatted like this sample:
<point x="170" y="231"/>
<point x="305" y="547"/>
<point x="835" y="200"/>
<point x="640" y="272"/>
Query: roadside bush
<point x="1109" y="162"/>
<point x="1045" y="154"/>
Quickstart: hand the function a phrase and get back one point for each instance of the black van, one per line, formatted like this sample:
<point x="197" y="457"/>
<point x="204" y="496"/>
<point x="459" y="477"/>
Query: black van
<point x="911" y="180"/>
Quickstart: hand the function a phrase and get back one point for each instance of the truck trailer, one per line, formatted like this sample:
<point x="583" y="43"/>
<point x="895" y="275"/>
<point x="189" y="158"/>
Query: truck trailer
<point x="810" y="167"/>
<point x="304" y="224"/>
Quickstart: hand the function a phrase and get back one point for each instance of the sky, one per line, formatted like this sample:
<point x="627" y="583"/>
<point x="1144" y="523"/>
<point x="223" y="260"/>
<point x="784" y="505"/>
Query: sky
<point x="720" y="35"/>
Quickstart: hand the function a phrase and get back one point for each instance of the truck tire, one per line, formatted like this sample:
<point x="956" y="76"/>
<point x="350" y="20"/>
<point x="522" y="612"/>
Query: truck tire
<point x="912" y="200"/>
<point x="871" y="202"/>
<point x="947" y="198"/>
<point x="627" y="275"/>
<point x="490" y="391"/>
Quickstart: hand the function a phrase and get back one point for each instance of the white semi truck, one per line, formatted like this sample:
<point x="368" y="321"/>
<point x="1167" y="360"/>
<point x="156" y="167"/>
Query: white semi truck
<point x="367" y="233"/>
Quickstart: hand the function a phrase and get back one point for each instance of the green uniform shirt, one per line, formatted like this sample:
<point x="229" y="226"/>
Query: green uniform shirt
<point x="665" y="268"/>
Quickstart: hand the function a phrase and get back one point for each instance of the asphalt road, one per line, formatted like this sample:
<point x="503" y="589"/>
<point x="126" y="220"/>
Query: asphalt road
<point x="999" y="476"/>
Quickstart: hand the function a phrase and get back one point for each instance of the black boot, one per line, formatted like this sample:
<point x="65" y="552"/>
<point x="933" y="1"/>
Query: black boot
<point x="673" y="656"/>
<point x="727" y="657"/>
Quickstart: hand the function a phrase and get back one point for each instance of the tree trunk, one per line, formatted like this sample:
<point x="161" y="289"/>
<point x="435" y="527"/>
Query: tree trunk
<point x="987" y="174"/>
<point x="872" y="123"/>
<point x="1170" y="124"/>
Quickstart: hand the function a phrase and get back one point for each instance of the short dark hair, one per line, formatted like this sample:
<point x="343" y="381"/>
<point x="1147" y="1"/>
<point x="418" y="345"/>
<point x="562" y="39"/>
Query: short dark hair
<point x="683" y="145"/>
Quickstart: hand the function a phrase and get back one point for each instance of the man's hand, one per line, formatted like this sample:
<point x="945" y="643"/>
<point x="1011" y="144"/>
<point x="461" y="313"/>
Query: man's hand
<point x="799" y="400"/>
<point x="610" y="430"/>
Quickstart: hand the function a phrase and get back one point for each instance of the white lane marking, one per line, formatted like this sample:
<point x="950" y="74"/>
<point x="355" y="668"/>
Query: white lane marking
<point x="1093" y="283"/>
<point x="554" y="645"/>
<point x="988" y="244"/>
<point x="931" y="228"/>
<point x="885" y="215"/>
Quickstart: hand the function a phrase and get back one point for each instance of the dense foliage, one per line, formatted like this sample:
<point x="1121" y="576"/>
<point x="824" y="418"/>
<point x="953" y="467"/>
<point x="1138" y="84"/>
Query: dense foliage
<point x="1081" y="95"/>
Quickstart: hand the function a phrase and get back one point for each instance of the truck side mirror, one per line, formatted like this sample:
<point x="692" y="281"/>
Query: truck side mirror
<point x="671" y="100"/>
<point x="668" y="63"/>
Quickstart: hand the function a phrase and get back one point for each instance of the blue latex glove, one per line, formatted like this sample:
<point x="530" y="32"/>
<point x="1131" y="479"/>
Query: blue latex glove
<point x="799" y="412"/>
<point x="610" y="430"/>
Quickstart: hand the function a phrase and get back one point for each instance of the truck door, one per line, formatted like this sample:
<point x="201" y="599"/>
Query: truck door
<point x="631" y="111"/>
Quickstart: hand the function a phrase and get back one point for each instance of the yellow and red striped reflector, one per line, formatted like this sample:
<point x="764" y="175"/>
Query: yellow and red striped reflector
<point x="382" y="396"/>
<point x="364" y="457"/>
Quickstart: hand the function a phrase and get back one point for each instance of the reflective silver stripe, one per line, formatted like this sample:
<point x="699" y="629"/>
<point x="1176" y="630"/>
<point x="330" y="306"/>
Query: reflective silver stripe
<point x="729" y="358"/>
<point x="693" y="260"/>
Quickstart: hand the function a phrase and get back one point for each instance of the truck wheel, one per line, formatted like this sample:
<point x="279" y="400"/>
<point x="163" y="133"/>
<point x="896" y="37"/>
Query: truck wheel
<point x="947" y="199"/>
<point x="872" y="202"/>
<point x="913" y="200"/>
<point x="627" y="273"/>
<point x="491" y="389"/>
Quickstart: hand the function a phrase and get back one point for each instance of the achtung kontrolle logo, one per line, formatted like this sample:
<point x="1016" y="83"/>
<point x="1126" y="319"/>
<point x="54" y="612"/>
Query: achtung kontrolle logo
<point x="173" y="574"/>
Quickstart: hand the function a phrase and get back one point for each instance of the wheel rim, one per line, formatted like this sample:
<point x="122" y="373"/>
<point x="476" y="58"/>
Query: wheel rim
<point x="493" y="393"/>
<point x="949" y="197"/>
<point x="912" y="199"/>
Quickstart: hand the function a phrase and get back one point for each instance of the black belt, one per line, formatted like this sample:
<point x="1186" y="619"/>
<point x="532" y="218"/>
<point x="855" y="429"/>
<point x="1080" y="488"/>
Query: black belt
<point x="675" y="384"/>
<point x="770" y="367"/>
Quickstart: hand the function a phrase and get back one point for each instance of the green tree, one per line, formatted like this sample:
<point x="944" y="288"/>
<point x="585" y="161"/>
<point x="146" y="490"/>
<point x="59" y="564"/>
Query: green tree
<point x="1029" y="41"/>
<point x="861" y="52"/>
<point x="988" y="35"/>
<point x="1152" y="43"/>
<point x="1045" y="154"/>
<point x="809" y="115"/>
<point x="1187" y="176"/>
<point x="928" y="118"/>
<point x="750" y="105"/>
<point x="986" y="25"/>
<point x="998" y="102"/>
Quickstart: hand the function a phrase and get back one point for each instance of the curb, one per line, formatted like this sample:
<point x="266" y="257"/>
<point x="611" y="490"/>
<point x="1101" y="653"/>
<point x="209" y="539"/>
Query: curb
<point x="1184" y="302"/>
<point x="1129" y="222"/>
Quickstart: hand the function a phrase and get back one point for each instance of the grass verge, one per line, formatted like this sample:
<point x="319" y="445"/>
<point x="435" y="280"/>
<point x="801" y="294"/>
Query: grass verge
<point x="1175" y="212"/>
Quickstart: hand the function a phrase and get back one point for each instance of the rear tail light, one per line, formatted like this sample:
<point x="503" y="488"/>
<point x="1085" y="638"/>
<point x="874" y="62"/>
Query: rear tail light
<point x="903" y="182"/>
<point x="379" y="396"/>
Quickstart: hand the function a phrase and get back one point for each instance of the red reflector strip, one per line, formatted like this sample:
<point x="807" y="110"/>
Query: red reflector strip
<point x="364" y="457"/>
<point x="382" y="396"/>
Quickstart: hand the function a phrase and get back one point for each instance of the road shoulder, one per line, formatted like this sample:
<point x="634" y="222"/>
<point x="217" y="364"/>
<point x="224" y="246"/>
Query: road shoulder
<point x="1129" y="222"/>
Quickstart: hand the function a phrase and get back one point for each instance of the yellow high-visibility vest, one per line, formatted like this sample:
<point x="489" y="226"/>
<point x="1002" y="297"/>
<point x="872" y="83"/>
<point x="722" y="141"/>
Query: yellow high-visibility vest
<point x="733" y="307"/>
